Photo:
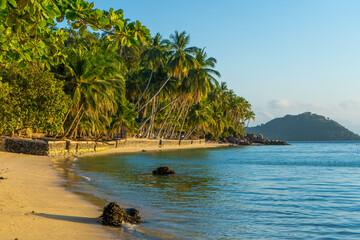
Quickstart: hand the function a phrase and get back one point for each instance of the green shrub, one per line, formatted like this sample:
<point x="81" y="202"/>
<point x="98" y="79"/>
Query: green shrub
<point x="31" y="98"/>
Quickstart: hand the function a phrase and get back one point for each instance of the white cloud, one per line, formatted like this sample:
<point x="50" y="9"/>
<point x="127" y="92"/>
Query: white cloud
<point x="265" y="114"/>
<point x="351" y="104"/>
<point x="280" y="104"/>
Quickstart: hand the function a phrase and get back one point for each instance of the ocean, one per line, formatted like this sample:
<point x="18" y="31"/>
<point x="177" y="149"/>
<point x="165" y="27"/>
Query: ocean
<point x="308" y="190"/>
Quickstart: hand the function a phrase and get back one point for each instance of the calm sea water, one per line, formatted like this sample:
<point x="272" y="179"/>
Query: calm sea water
<point x="302" y="191"/>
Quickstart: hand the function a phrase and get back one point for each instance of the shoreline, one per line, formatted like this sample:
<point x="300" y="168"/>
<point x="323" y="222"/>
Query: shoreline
<point x="35" y="205"/>
<point x="139" y="149"/>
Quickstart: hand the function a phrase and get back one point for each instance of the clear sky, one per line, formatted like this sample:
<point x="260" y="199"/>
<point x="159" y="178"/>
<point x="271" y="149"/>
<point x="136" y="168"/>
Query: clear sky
<point x="283" y="56"/>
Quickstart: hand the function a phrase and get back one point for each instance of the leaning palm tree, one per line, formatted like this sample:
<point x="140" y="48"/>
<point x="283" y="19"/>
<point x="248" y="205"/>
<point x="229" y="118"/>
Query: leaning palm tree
<point x="92" y="81"/>
<point x="180" y="61"/>
<point x="154" y="56"/>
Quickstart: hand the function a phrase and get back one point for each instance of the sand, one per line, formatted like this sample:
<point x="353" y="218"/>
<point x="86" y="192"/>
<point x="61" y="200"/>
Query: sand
<point x="35" y="205"/>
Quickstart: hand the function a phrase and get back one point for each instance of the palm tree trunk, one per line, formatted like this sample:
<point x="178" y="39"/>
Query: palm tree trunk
<point x="177" y="119"/>
<point x="167" y="131"/>
<point x="75" y="129"/>
<point x="66" y="115"/>
<point x="247" y="125"/>
<point x="155" y="93"/>
<point x="182" y="125"/>
<point x="152" y="120"/>
<point x="148" y="130"/>
<point x="146" y="88"/>
<point x="189" y="133"/>
<point x="167" y="116"/>
<point x="142" y="125"/>
<point x="73" y="121"/>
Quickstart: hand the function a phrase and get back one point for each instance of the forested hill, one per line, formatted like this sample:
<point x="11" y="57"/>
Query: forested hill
<point x="304" y="127"/>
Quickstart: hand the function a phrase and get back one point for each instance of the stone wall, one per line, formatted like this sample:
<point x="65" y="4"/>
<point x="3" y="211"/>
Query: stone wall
<point x="101" y="146"/>
<point x="2" y="144"/>
<point x="71" y="147"/>
<point x="27" y="146"/>
<point x="166" y="143"/>
<point x="141" y="143"/>
<point x="58" y="147"/>
<point x="85" y="146"/>
<point x="199" y="141"/>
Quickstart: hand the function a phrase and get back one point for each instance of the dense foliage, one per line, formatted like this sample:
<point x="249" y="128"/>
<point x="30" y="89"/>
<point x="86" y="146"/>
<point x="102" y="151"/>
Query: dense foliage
<point x="114" y="79"/>
<point x="305" y="127"/>
<point x="32" y="100"/>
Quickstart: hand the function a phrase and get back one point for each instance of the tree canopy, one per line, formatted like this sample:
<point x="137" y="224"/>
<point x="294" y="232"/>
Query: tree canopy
<point x="104" y="75"/>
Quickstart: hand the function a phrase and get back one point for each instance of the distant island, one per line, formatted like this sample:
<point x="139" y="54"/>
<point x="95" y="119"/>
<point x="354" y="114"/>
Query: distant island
<point x="304" y="127"/>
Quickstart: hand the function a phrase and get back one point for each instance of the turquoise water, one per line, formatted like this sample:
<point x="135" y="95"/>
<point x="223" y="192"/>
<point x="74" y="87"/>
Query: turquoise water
<point x="301" y="191"/>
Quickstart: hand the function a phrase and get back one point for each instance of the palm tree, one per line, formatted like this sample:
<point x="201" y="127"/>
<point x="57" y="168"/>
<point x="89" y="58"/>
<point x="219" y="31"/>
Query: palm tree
<point x="180" y="61"/>
<point x="250" y="115"/>
<point x="92" y="80"/>
<point x="201" y="78"/>
<point x="124" y="118"/>
<point x="154" y="56"/>
<point x="200" y="117"/>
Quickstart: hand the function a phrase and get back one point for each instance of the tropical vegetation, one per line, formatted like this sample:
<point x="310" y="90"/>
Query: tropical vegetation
<point x="105" y="75"/>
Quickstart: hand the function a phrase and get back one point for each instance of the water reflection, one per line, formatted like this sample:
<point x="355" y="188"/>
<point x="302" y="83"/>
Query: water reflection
<point x="302" y="191"/>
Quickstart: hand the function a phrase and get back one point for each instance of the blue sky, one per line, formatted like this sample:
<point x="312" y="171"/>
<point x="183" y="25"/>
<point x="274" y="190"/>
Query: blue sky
<point x="285" y="57"/>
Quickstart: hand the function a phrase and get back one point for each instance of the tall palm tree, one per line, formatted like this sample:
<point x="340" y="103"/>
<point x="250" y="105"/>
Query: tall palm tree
<point x="154" y="56"/>
<point x="201" y="79"/>
<point x="180" y="61"/>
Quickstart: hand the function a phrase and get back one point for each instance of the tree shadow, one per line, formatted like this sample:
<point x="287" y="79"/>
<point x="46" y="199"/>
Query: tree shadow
<point x="68" y="218"/>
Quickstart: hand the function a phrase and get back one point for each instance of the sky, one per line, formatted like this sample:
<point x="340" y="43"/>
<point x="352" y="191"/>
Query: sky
<point x="284" y="57"/>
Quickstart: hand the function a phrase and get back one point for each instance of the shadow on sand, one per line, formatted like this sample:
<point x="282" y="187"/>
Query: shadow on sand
<point x="68" y="218"/>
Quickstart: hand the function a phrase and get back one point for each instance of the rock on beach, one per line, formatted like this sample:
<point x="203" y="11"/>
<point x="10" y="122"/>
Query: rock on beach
<point x="115" y="215"/>
<point x="164" y="170"/>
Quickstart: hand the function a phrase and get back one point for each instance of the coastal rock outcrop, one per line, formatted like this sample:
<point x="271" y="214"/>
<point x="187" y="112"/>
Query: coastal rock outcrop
<point x="259" y="139"/>
<point x="251" y="139"/>
<point x="164" y="170"/>
<point x="114" y="215"/>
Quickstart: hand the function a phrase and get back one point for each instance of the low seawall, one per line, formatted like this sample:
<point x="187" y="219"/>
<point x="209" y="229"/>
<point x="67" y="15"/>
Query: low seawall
<point x="53" y="147"/>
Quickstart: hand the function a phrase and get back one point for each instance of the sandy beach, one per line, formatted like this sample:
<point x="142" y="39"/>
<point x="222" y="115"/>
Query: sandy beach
<point x="35" y="205"/>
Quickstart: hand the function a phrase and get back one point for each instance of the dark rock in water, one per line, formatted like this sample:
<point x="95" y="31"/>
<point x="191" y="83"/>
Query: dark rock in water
<point x="114" y="215"/>
<point x="164" y="170"/>
<point x="132" y="212"/>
